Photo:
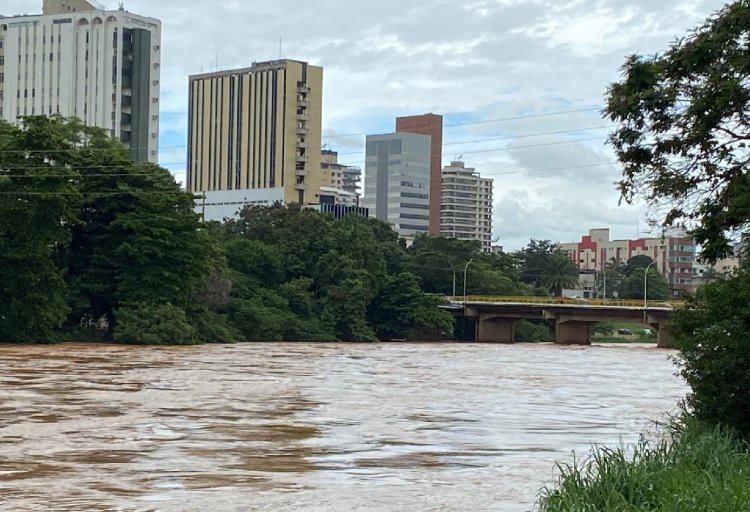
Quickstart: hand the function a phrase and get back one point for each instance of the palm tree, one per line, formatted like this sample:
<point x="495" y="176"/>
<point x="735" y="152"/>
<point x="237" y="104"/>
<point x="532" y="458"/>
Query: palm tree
<point x="557" y="273"/>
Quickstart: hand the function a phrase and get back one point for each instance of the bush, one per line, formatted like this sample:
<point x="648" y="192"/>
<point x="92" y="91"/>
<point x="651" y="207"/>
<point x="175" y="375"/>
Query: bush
<point x="211" y="327"/>
<point x="714" y="338"/>
<point x="604" y="329"/>
<point x="153" y="324"/>
<point x="693" y="469"/>
<point x="529" y="331"/>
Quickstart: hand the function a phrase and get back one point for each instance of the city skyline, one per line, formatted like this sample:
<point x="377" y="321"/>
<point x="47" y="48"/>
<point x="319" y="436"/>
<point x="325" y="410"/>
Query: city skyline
<point x="471" y="63"/>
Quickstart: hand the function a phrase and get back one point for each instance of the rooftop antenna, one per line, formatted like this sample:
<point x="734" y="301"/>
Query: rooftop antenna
<point x="122" y="6"/>
<point x="279" y="47"/>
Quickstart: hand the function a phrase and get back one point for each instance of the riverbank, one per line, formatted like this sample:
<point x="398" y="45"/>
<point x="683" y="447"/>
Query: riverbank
<point x="691" y="468"/>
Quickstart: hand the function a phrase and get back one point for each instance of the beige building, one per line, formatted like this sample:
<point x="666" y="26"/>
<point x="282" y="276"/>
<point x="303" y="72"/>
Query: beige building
<point x="673" y="253"/>
<point x="466" y="205"/>
<point x="338" y="180"/>
<point x="79" y="60"/>
<point x="257" y="128"/>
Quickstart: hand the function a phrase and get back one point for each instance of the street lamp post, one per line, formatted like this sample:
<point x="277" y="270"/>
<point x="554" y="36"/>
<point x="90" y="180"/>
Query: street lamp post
<point x="453" y="268"/>
<point x="465" y="268"/>
<point x="645" y="286"/>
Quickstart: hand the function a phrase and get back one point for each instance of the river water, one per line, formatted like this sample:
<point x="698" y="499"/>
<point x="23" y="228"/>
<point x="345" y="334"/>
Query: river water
<point x="313" y="427"/>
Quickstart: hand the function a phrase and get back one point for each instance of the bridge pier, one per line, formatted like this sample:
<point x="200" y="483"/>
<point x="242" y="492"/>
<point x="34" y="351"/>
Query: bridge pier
<point x="497" y="329"/>
<point x="572" y="332"/>
<point x="664" y="336"/>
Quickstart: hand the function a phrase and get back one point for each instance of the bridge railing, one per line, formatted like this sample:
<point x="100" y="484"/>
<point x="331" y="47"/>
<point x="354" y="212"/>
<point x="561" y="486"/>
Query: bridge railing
<point x="532" y="299"/>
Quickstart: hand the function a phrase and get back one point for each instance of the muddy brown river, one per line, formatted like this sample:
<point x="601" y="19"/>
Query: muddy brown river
<point x="313" y="427"/>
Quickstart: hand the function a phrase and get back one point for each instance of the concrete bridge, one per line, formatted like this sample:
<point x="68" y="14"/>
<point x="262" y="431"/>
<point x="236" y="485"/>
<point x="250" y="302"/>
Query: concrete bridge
<point x="496" y="316"/>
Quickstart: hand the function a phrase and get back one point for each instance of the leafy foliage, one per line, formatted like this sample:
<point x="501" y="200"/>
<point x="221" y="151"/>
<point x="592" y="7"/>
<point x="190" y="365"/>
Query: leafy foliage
<point x="558" y="272"/>
<point x="684" y="129"/>
<point x="532" y="331"/>
<point x="636" y="262"/>
<point x="533" y="259"/>
<point x="657" y="287"/>
<point x="153" y="324"/>
<point x="402" y="310"/>
<point x="38" y="206"/>
<point x="715" y="351"/>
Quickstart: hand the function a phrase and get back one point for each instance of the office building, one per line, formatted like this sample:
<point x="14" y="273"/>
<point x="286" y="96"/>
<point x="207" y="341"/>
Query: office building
<point x="79" y="60"/>
<point x="466" y="205"/>
<point x="257" y="128"/>
<point x="397" y="181"/>
<point x="431" y="125"/>
<point x="674" y="254"/>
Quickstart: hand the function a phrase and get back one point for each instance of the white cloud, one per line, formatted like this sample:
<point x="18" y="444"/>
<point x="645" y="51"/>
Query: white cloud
<point x="476" y="60"/>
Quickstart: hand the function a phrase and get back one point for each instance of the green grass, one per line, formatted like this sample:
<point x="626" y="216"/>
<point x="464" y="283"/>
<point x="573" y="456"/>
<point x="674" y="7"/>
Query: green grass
<point x="638" y="336"/>
<point x="691" y="469"/>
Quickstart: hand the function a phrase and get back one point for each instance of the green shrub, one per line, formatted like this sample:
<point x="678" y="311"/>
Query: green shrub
<point x="714" y="338"/>
<point x="531" y="331"/>
<point x="692" y="469"/>
<point x="604" y="329"/>
<point x="153" y="324"/>
<point x="211" y="327"/>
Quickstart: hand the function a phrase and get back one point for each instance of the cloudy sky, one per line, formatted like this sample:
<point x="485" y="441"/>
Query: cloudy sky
<point x="520" y="84"/>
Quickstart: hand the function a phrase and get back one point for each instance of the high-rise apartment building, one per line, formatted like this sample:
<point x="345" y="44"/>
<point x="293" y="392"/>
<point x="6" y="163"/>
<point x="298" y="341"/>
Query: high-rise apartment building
<point x="257" y="128"/>
<point x="397" y="181"/>
<point x="79" y="60"/>
<point x="338" y="180"/>
<point x="466" y="205"/>
<point x="673" y="253"/>
<point x="432" y="125"/>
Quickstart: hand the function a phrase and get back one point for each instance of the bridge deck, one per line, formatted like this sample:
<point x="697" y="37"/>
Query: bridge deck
<point x="558" y="301"/>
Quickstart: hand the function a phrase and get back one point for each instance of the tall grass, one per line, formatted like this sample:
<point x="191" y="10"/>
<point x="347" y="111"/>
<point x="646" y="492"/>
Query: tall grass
<point x="692" y="468"/>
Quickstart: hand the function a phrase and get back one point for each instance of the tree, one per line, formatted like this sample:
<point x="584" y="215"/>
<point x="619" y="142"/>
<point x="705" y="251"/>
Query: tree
<point x="715" y="352"/>
<point x="138" y="243"/>
<point x="557" y="273"/>
<point x="403" y="310"/>
<point x="684" y="129"/>
<point x="532" y="260"/>
<point x="657" y="287"/>
<point x="38" y="206"/>
<point x="636" y="262"/>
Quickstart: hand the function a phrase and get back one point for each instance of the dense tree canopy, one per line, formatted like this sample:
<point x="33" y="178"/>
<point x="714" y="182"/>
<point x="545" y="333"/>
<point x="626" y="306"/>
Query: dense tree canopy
<point x="683" y="135"/>
<point x="96" y="246"/>
<point x="656" y="286"/>
<point x="38" y="207"/>
<point x="715" y="351"/>
<point x="684" y="129"/>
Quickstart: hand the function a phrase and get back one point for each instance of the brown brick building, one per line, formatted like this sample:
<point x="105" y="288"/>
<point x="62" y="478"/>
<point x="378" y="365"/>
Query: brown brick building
<point x="432" y="125"/>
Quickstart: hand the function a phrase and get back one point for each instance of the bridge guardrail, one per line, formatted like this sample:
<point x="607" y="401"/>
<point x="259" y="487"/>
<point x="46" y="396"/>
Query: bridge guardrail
<point x="533" y="299"/>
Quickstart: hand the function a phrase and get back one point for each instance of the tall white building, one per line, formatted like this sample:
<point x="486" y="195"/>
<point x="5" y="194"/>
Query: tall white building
<point x="78" y="60"/>
<point x="466" y="205"/>
<point x="397" y="181"/>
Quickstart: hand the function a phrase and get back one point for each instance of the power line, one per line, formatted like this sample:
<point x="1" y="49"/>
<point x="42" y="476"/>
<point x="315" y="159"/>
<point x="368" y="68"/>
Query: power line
<point x="492" y="150"/>
<point x="504" y="148"/>
<point x="468" y="123"/>
<point x="76" y="167"/>
<point x="457" y="143"/>
<point x="510" y="137"/>
<point x="501" y="173"/>
<point x="488" y="121"/>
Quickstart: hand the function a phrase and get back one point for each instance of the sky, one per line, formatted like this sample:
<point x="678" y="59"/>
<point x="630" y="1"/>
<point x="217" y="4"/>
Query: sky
<point x="520" y="83"/>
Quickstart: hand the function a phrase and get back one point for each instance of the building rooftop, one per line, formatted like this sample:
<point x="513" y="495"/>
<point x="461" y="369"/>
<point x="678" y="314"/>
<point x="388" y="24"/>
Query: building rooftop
<point x="255" y="66"/>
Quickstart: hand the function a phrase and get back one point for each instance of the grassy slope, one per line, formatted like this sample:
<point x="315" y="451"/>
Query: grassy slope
<point x="697" y="470"/>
